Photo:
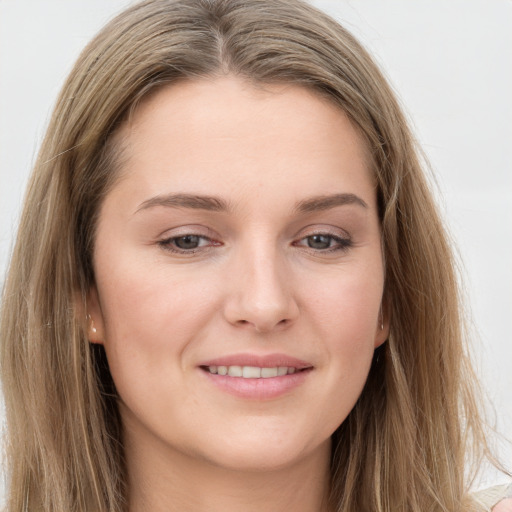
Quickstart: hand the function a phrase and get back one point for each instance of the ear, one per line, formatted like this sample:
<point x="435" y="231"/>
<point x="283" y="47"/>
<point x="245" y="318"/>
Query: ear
<point x="95" y="322"/>
<point x="383" y="321"/>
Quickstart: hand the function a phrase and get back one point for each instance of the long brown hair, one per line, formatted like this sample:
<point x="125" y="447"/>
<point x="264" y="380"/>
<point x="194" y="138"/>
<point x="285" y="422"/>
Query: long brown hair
<point x="405" y="443"/>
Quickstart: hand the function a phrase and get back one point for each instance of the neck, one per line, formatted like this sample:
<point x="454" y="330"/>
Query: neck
<point x="163" y="479"/>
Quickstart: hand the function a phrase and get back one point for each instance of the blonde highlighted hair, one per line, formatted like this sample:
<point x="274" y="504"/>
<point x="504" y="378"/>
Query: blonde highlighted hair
<point x="405" y="443"/>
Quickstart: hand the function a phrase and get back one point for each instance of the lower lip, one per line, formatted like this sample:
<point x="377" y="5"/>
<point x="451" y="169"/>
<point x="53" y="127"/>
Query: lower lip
<point x="258" y="389"/>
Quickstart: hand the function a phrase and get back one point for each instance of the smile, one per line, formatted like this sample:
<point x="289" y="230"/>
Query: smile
<point x="251" y="372"/>
<point x="257" y="377"/>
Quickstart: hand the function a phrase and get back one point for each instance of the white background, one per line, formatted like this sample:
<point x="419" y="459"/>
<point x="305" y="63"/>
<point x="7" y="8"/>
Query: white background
<point x="450" y="63"/>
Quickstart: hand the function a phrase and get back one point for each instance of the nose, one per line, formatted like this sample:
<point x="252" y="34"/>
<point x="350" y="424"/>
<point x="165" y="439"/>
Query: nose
<point x="260" y="293"/>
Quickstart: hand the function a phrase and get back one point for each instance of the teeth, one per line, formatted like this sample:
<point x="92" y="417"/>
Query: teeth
<point x="282" y="370"/>
<point x="252" y="372"/>
<point x="269" y="372"/>
<point x="235" y="371"/>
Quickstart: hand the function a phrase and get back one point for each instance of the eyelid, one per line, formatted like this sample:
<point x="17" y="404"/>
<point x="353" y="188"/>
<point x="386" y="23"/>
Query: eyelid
<point x="343" y="239"/>
<point x="343" y="243"/>
<point x="166" y="238"/>
<point x="167" y="245"/>
<point x="322" y="229"/>
<point x="188" y="229"/>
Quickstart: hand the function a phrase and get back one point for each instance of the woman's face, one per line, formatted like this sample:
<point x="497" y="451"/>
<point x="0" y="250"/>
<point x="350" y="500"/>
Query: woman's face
<point x="241" y="237"/>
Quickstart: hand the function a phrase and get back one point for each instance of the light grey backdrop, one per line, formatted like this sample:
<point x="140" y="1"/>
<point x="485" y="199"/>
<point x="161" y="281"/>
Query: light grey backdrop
<point x="451" y="65"/>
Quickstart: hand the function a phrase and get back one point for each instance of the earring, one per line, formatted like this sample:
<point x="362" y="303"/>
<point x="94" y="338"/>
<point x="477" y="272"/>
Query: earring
<point x="90" y="321"/>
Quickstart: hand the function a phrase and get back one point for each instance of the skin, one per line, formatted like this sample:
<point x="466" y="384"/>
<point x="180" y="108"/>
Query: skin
<point x="504" y="506"/>
<point x="259" y="283"/>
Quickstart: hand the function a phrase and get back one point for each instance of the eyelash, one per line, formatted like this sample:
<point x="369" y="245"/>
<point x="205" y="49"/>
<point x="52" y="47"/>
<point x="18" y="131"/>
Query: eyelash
<point x="341" y="244"/>
<point x="169" y="244"/>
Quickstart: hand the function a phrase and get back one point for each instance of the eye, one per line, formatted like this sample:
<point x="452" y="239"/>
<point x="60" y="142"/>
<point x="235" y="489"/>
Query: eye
<point x="319" y="241"/>
<point x="325" y="242"/>
<point x="186" y="243"/>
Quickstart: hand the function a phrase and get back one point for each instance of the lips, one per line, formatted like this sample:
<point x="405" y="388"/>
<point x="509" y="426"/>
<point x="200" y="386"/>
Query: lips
<point x="251" y="372"/>
<point x="258" y="377"/>
<point x="259" y="361"/>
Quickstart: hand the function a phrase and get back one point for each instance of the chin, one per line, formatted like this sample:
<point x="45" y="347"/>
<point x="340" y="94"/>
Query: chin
<point x="261" y="454"/>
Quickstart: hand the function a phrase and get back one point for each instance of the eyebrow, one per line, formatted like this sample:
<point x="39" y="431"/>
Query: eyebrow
<point x="216" y="204"/>
<point x="191" y="201"/>
<point x="327" y="202"/>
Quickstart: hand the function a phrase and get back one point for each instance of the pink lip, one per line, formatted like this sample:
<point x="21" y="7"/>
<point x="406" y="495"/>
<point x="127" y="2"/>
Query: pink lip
<point x="263" y="361"/>
<point x="258" y="389"/>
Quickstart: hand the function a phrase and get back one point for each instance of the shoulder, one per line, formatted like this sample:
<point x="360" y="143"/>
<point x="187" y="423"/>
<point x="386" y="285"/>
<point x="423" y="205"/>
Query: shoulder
<point x="497" y="498"/>
<point x="503" y="506"/>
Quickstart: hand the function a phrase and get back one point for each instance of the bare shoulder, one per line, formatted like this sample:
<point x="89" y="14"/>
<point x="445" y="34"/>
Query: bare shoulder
<point x="503" y="506"/>
<point x="497" y="498"/>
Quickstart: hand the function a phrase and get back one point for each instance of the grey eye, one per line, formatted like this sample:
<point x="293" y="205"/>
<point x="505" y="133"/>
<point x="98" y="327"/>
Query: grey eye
<point x="319" y="241"/>
<point x="187" y="242"/>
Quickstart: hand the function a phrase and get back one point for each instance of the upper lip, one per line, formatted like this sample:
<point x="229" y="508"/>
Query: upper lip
<point x="257" y="360"/>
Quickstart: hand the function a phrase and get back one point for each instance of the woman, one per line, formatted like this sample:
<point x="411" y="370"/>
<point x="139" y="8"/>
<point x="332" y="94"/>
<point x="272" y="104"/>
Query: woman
<point x="231" y="288"/>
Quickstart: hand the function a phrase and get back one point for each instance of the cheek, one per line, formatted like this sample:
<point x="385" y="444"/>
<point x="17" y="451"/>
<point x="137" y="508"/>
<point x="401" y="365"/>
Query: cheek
<point x="152" y="323"/>
<point x="346" y="303"/>
<point x="345" y="309"/>
<point x="150" y="313"/>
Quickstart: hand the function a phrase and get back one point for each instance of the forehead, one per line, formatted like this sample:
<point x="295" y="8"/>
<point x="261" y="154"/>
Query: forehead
<point x="228" y="134"/>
